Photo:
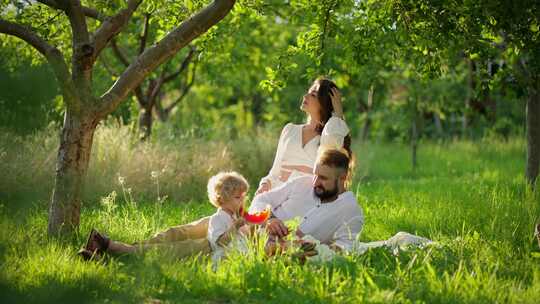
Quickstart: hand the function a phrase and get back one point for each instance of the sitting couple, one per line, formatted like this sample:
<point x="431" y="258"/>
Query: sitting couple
<point x="298" y="147"/>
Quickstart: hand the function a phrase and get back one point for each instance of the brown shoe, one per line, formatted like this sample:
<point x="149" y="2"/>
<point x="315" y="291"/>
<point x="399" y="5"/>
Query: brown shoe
<point x="96" y="245"/>
<point x="88" y="255"/>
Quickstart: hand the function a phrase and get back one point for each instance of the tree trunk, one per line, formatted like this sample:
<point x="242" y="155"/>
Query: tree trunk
<point x="161" y="113"/>
<point x="468" y="100"/>
<point x="414" y="133"/>
<point x="367" y="123"/>
<point x="533" y="134"/>
<point x="71" y="166"/>
<point x="438" y="125"/>
<point x="414" y="144"/>
<point x="145" y="123"/>
<point x="366" y="128"/>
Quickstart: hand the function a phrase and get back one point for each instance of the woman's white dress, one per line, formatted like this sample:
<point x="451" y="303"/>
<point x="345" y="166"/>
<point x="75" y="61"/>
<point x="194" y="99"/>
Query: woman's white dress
<point x="290" y="151"/>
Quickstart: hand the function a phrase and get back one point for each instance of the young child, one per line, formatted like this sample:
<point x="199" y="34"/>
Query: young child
<point x="226" y="191"/>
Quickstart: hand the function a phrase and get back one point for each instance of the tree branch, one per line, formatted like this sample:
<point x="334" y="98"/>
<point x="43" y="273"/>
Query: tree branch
<point x="163" y="50"/>
<point x="144" y="34"/>
<point x="107" y="67"/>
<point x="77" y="20"/>
<point x="183" y="66"/>
<point x="51" y="53"/>
<point x="121" y="56"/>
<point x="155" y="90"/>
<point x="185" y="90"/>
<point x="112" y="26"/>
<point x="82" y="59"/>
<point x="140" y="96"/>
<point x="88" y="12"/>
<point x="150" y="88"/>
<point x="119" y="53"/>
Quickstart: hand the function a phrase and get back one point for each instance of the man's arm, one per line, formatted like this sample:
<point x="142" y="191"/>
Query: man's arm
<point x="274" y="197"/>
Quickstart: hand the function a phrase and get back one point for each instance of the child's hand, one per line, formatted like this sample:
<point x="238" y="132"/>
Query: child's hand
<point x="239" y="222"/>
<point x="245" y="230"/>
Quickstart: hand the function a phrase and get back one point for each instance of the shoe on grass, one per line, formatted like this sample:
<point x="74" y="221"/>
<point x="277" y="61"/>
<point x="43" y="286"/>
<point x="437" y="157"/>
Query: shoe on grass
<point x="96" y="245"/>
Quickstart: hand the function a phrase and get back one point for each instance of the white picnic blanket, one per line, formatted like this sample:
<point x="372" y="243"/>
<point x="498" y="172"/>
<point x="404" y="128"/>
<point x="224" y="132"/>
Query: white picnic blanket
<point x="400" y="241"/>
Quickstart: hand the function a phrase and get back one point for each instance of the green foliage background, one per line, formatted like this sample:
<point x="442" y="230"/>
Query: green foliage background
<point x="255" y="66"/>
<point x="457" y="71"/>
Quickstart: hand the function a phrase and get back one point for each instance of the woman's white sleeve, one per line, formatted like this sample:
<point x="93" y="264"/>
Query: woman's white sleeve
<point x="273" y="175"/>
<point x="333" y="134"/>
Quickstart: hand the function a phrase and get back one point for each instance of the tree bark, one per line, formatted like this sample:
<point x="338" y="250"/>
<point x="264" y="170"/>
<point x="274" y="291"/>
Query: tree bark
<point x="533" y="134"/>
<point x="414" y="144"/>
<point x="161" y="113"/>
<point x="414" y="135"/>
<point x="468" y="100"/>
<point x="438" y="125"/>
<point x="367" y="123"/>
<point x="145" y="123"/>
<point x="71" y="166"/>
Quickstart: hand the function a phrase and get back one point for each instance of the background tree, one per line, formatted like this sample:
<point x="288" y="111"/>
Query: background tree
<point x="179" y="71"/>
<point x="486" y="29"/>
<point x="85" y="107"/>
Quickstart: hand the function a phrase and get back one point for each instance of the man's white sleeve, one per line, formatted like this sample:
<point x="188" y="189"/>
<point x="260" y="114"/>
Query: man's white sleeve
<point x="347" y="233"/>
<point x="274" y="197"/>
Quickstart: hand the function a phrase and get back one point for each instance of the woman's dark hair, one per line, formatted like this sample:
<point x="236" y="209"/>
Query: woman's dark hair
<point x="325" y="100"/>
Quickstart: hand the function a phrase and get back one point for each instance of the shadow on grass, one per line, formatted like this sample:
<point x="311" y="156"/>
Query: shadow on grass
<point x="53" y="290"/>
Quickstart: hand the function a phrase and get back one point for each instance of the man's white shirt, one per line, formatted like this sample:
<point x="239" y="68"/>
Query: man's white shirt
<point x="338" y="222"/>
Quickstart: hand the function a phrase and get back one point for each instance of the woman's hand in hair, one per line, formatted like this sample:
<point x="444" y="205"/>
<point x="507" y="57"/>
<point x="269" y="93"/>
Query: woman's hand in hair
<point x="335" y="95"/>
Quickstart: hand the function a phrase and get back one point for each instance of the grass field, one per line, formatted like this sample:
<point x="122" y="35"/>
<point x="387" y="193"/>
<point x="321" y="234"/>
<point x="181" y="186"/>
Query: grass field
<point x="469" y="197"/>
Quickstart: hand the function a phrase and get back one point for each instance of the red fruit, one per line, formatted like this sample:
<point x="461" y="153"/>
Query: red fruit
<point x="256" y="218"/>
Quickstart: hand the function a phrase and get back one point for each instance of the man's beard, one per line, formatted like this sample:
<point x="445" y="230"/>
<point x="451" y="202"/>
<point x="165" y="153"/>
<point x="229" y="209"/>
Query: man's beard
<point x="322" y="193"/>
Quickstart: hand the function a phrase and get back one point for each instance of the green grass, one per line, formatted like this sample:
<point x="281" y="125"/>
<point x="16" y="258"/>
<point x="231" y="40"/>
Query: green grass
<point x="469" y="197"/>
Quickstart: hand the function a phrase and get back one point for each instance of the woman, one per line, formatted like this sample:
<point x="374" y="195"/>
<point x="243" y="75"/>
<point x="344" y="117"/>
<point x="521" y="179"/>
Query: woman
<point x="299" y="143"/>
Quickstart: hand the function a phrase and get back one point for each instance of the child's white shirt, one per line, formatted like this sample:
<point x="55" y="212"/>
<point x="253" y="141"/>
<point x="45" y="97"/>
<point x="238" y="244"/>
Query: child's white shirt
<point x="220" y="222"/>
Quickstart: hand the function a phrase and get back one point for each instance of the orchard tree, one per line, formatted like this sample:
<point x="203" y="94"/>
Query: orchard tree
<point x="90" y="29"/>
<point x="177" y="73"/>
<point x="486" y="29"/>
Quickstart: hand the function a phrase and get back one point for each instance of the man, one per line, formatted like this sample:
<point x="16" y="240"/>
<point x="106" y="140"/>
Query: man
<point x="328" y="212"/>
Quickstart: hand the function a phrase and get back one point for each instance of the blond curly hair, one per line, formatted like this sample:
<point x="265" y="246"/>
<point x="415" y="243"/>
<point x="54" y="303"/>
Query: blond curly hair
<point x="222" y="186"/>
